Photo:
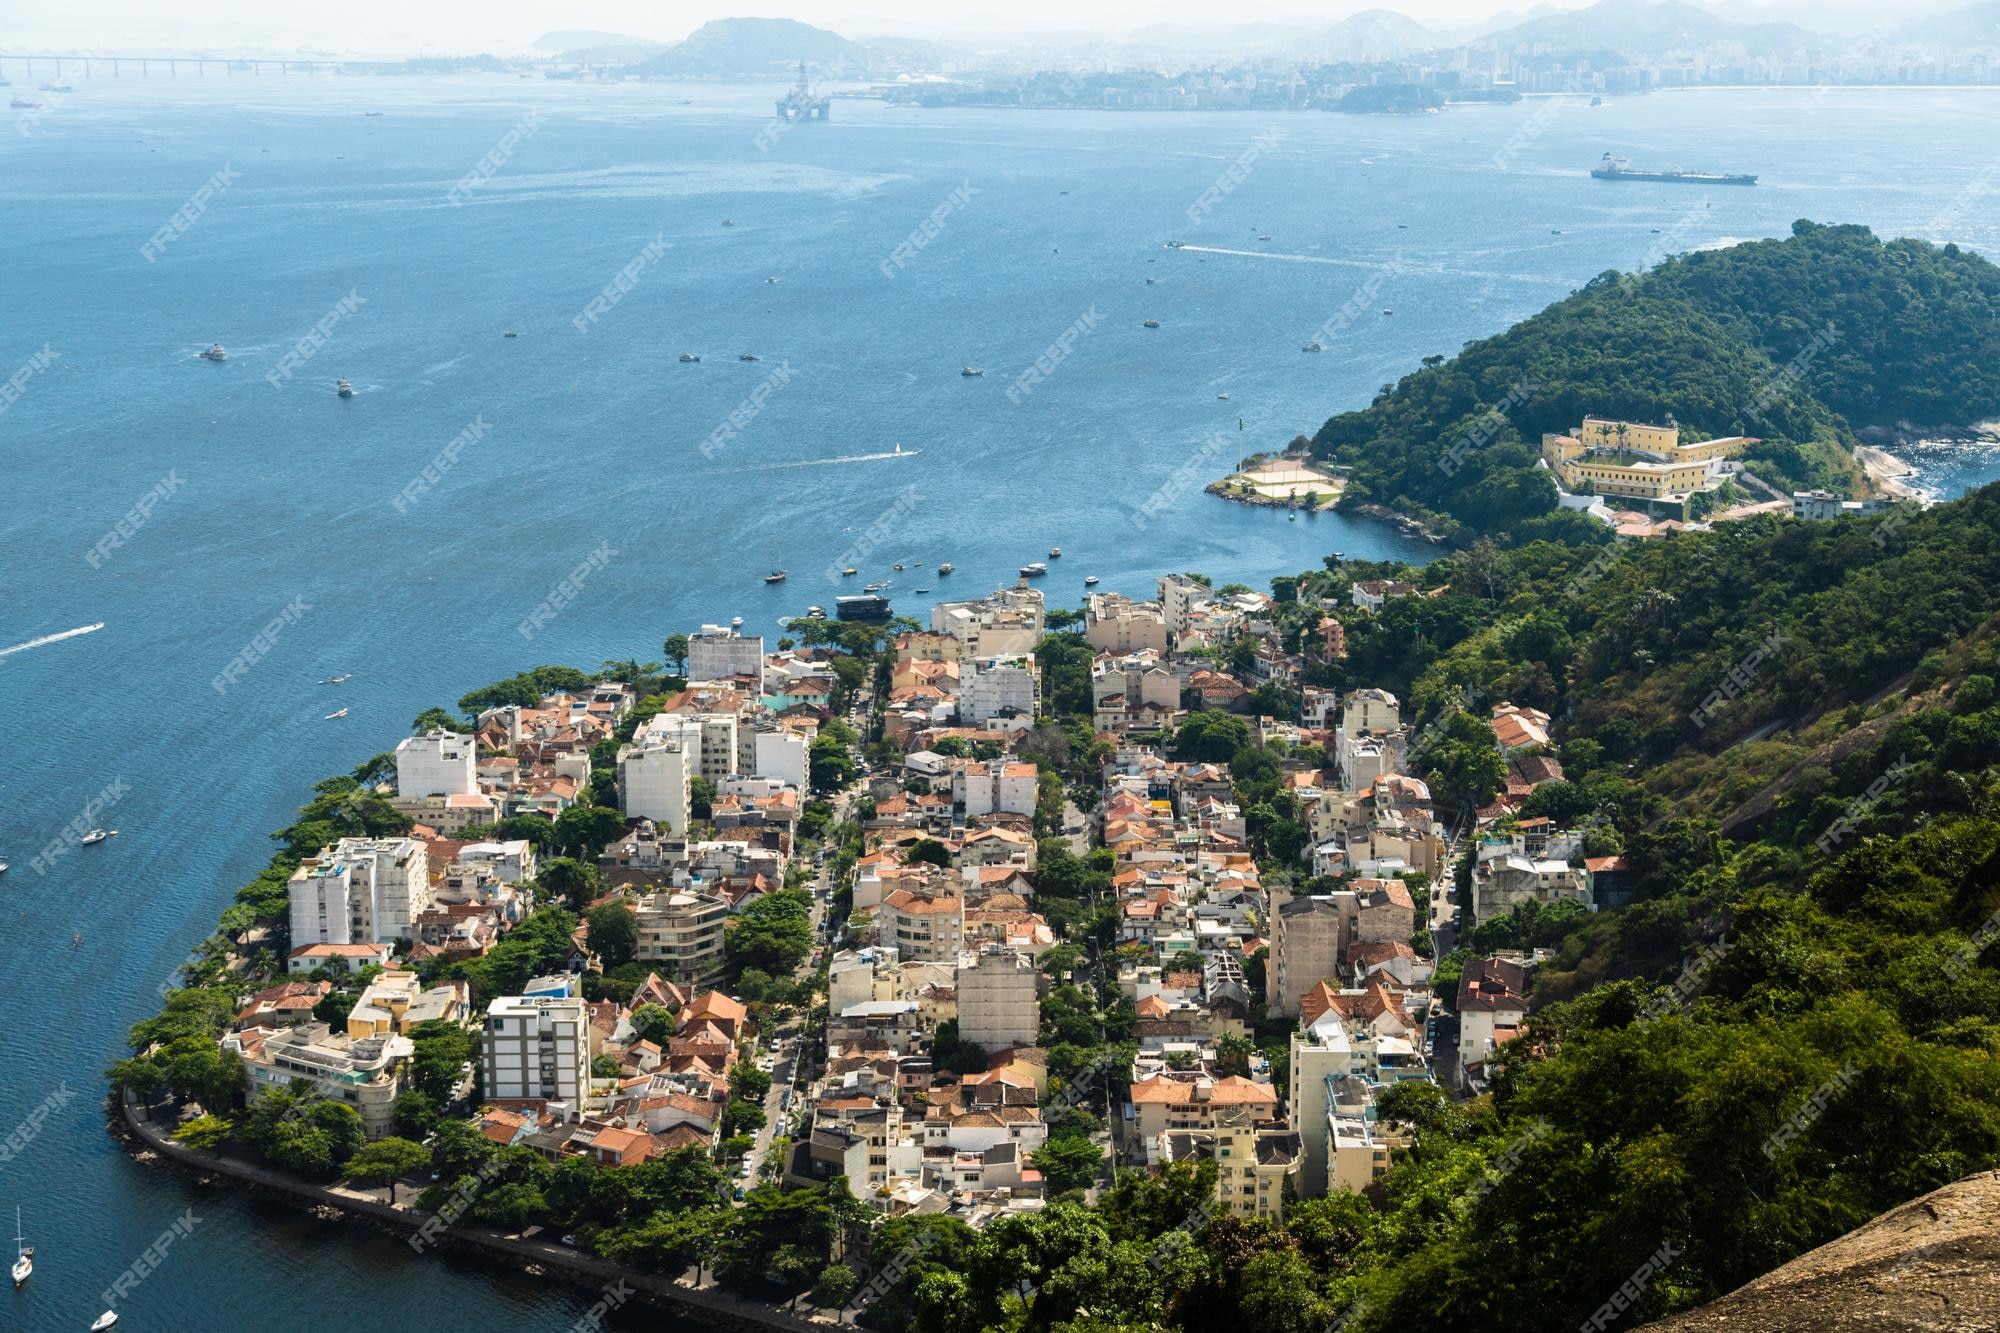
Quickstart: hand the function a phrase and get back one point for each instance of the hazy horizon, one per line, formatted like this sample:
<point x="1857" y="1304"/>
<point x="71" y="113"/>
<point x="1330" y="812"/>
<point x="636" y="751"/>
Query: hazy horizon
<point x="505" y="27"/>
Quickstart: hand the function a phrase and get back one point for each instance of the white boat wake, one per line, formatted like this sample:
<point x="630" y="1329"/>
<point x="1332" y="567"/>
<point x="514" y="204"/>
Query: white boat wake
<point x="850" y="458"/>
<point x="52" y="638"/>
<point x="1290" y="259"/>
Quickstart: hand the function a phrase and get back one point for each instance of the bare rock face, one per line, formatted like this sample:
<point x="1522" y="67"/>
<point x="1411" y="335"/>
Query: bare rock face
<point x="1932" y="1265"/>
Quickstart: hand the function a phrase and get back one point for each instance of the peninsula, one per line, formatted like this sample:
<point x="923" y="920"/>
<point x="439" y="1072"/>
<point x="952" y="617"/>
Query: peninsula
<point x="1271" y="949"/>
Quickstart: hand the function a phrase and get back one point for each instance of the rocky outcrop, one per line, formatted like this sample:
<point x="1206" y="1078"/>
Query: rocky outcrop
<point x="1931" y="1265"/>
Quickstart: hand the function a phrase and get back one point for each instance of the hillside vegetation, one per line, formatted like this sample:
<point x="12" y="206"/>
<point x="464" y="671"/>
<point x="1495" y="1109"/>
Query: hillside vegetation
<point x="1799" y="342"/>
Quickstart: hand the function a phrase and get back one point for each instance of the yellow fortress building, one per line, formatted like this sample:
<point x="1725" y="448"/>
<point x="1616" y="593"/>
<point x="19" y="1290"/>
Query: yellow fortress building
<point x="1638" y="460"/>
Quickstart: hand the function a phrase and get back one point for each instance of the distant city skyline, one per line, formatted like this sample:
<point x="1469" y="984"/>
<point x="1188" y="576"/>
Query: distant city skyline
<point x="384" y="27"/>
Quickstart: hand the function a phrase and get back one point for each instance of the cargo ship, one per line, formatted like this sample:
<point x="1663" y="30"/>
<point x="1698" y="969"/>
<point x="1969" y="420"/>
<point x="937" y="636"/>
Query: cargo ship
<point x="1613" y="168"/>
<point x="861" y="607"/>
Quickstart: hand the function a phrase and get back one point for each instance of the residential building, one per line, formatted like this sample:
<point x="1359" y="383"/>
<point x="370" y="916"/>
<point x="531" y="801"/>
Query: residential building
<point x="1309" y="937"/>
<point x="1006" y="624"/>
<point x="656" y="773"/>
<point x="681" y="930"/>
<point x="717" y="652"/>
<point x="1176" y="1101"/>
<point x="366" y="1074"/>
<point x="1114" y="623"/>
<point x="360" y="891"/>
<point x="924" y="924"/>
<point x="1518" y="729"/>
<point x="537" y="1048"/>
<point x="998" y="1001"/>
<point x="1825" y="504"/>
<point x="781" y="753"/>
<point x="999" y="687"/>
<point x="994" y="788"/>
<point x="1180" y="595"/>
<point x="395" y="1001"/>
<point x="1492" y="1002"/>
<point x="437" y="763"/>
<point x="1371" y="594"/>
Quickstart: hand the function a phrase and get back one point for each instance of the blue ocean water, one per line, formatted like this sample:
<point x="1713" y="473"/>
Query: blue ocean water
<point x="591" y="442"/>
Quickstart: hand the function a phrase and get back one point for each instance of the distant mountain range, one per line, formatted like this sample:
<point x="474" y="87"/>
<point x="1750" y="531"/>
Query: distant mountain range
<point x="729" y="48"/>
<point x="765" y="48"/>
<point x="1974" y="25"/>
<point x="1641" y="26"/>
<point x="1377" y="34"/>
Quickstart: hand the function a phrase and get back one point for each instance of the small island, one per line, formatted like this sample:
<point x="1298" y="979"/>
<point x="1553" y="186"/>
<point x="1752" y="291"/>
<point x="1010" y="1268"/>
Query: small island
<point x="1391" y="99"/>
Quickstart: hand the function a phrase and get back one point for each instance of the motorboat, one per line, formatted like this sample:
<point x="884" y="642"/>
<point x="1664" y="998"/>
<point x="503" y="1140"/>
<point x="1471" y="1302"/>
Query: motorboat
<point x="1151" y="324"/>
<point x="746" y="356"/>
<point x="104" y="1321"/>
<point x="775" y="576"/>
<point x="331" y="716"/>
<point x="215" y="353"/>
<point x="945" y="568"/>
<point x="343" y="388"/>
<point x="971" y="372"/>
<point x="1055" y="553"/>
<point x="1090" y="580"/>
<point x="849" y="572"/>
<point x="97" y="835"/>
<point x="1034" y="571"/>
<point x="690" y="356"/>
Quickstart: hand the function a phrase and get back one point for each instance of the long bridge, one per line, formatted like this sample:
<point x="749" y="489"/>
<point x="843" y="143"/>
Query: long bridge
<point x="49" y="65"/>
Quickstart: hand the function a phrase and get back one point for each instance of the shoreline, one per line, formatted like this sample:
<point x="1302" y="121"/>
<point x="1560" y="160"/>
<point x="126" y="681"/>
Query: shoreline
<point x="146" y="1143"/>
<point x="1887" y="473"/>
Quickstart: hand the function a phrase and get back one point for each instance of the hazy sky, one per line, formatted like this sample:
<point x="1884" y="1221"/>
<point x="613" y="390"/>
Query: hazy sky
<point x="507" y="25"/>
<point x="398" y="27"/>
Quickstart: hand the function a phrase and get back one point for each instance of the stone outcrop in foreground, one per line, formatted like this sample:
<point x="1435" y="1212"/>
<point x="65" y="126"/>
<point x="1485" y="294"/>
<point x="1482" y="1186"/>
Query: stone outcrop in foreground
<point x="1931" y="1265"/>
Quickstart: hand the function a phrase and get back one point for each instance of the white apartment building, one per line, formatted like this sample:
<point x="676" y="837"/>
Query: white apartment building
<point x="781" y="753"/>
<point x="656" y="773"/>
<point x="995" y="788"/>
<point x="998" y="1006"/>
<point x="321" y="898"/>
<point x="1180" y="594"/>
<point x="718" y="652"/>
<point x="537" y="1047"/>
<point x="999" y="687"/>
<point x="511" y="862"/>
<point x="391" y="880"/>
<point x="437" y="763"/>
<point x="360" y="891"/>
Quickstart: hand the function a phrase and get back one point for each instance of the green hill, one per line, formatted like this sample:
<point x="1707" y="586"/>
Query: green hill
<point x="1799" y="342"/>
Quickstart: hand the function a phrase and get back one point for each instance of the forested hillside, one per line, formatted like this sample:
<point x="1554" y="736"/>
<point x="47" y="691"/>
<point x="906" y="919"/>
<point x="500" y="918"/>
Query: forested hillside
<point x="1799" y="342"/>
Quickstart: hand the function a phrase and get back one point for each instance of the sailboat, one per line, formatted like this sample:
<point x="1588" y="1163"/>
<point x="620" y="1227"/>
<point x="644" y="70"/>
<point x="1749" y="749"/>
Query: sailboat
<point x="24" y="1262"/>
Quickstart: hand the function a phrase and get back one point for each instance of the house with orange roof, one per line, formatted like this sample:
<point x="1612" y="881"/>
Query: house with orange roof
<point x="1173" y="1101"/>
